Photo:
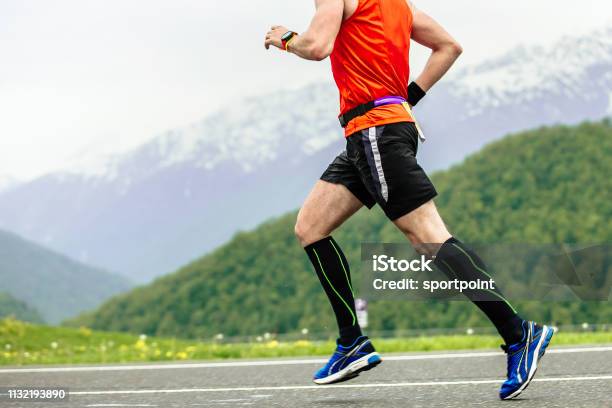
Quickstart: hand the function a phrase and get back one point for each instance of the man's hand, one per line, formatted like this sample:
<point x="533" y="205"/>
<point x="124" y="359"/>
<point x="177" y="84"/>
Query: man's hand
<point x="317" y="42"/>
<point x="273" y="37"/>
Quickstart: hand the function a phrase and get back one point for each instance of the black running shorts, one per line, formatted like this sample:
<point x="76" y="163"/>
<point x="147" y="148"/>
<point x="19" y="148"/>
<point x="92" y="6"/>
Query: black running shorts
<point x="379" y="165"/>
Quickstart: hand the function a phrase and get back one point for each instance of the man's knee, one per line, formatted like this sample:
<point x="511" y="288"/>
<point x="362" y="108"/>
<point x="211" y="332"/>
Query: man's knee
<point x="307" y="233"/>
<point x="427" y="242"/>
<point x="427" y="233"/>
<point x="424" y="226"/>
<point x="413" y="238"/>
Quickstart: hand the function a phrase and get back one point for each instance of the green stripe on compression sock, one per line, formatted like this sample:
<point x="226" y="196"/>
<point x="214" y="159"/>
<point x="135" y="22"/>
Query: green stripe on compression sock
<point x="471" y="260"/>
<point x="476" y="266"/>
<point x="342" y="263"/>
<point x="450" y="269"/>
<point x="334" y="289"/>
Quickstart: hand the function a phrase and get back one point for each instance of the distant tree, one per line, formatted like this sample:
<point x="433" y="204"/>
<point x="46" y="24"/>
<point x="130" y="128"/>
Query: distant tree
<point x="11" y="307"/>
<point x="550" y="185"/>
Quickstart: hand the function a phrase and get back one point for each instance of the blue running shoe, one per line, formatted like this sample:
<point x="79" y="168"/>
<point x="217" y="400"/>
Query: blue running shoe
<point x="523" y="358"/>
<point x="348" y="362"/>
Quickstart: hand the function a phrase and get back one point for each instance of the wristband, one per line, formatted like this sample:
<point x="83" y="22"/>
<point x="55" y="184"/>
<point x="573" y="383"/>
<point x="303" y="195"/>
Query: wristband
<point x="415" y="93"/>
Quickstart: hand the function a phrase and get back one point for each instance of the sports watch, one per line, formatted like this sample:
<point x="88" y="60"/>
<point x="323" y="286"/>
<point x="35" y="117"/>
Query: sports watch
<point x="287" y="37"/>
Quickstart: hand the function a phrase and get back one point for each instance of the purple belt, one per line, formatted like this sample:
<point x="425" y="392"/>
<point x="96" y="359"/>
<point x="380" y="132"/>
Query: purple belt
<point x="366" y="107"/>
<point x="389" y="100"/>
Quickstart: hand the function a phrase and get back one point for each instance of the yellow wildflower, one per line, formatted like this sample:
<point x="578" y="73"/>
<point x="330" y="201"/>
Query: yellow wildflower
<point x="272" y="344"/>
<point x="85" y="331"/>
<point x="141" y="345"/>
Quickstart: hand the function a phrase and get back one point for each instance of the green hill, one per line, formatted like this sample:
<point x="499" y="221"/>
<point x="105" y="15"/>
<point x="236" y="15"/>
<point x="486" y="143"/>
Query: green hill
<point x="11" y="307"/>
<point x="55" y="285"/>
<point x="550" y="185"/>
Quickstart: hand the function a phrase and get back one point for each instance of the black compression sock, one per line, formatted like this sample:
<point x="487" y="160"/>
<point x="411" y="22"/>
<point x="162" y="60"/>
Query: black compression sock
<point x="457" y="261"/>
<point x="348" y="335"/>
<point x="333" y="272"/>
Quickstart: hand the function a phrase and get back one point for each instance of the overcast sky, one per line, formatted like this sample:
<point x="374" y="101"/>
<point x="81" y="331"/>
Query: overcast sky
<point x="79" y="77"/>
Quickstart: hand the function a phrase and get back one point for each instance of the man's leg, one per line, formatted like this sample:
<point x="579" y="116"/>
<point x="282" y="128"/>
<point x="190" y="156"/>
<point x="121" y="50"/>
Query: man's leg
<point x="385" y="157"/>
<point x="425" y="226"/>
<point x="330" y="204"/>
<point x="326" y="208"/>
<point x="526" y="341"/>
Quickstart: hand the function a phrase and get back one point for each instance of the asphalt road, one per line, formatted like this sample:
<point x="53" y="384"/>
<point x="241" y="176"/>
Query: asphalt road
<point x="568" y="377"/>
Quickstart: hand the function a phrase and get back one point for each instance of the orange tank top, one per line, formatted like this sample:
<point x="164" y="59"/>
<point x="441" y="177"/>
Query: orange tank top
<point x="370" y="61"/>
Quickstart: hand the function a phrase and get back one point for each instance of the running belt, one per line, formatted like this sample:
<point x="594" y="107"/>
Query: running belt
<point x="366" y="107"/>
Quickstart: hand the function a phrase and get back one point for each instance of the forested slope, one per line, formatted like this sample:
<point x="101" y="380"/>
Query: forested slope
<point x="550" y="185"/>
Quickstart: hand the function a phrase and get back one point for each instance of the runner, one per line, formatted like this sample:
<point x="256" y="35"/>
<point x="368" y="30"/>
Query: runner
<point x="369" y="43"/>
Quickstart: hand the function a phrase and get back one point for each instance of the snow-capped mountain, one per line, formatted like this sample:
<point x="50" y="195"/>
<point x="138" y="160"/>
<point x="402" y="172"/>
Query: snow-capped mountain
<point x="568" y="82"/>
<point x="188" y="190"/>
<point x="527" y="74"/>
<point x="248" y="135"/>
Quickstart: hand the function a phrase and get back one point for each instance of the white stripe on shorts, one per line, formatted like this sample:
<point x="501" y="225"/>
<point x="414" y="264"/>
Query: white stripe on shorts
<point x="384" y="191"/>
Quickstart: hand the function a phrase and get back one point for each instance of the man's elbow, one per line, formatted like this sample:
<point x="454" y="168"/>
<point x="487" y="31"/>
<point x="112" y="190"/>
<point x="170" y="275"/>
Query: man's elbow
<point x="456" y="49"/>
<point x="450" y="47"/>
<point x="319" y="52"/>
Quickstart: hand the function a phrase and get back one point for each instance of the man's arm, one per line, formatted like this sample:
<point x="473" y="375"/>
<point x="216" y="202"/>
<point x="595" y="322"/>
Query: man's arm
<point x="445" y="49"/>
<point x="317" y="42"/>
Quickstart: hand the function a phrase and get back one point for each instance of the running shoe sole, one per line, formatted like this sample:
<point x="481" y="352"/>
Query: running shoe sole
<point x="352" y="370"/>
<point x="545" y="338"/>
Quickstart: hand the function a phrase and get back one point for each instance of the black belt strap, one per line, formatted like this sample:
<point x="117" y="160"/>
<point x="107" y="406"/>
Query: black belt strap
<point x="355" y="112"/>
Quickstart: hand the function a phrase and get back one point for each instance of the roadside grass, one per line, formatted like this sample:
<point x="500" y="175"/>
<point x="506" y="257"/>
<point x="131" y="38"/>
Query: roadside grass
<point x="28" y="344"/>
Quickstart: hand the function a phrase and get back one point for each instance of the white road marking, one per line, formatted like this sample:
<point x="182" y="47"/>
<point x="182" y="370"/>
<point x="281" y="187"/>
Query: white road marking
<point x="278" y="362"/>
<point x="120" y="405"/>
<point x="328" y="387"/>
<point x="230" y="400"/>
